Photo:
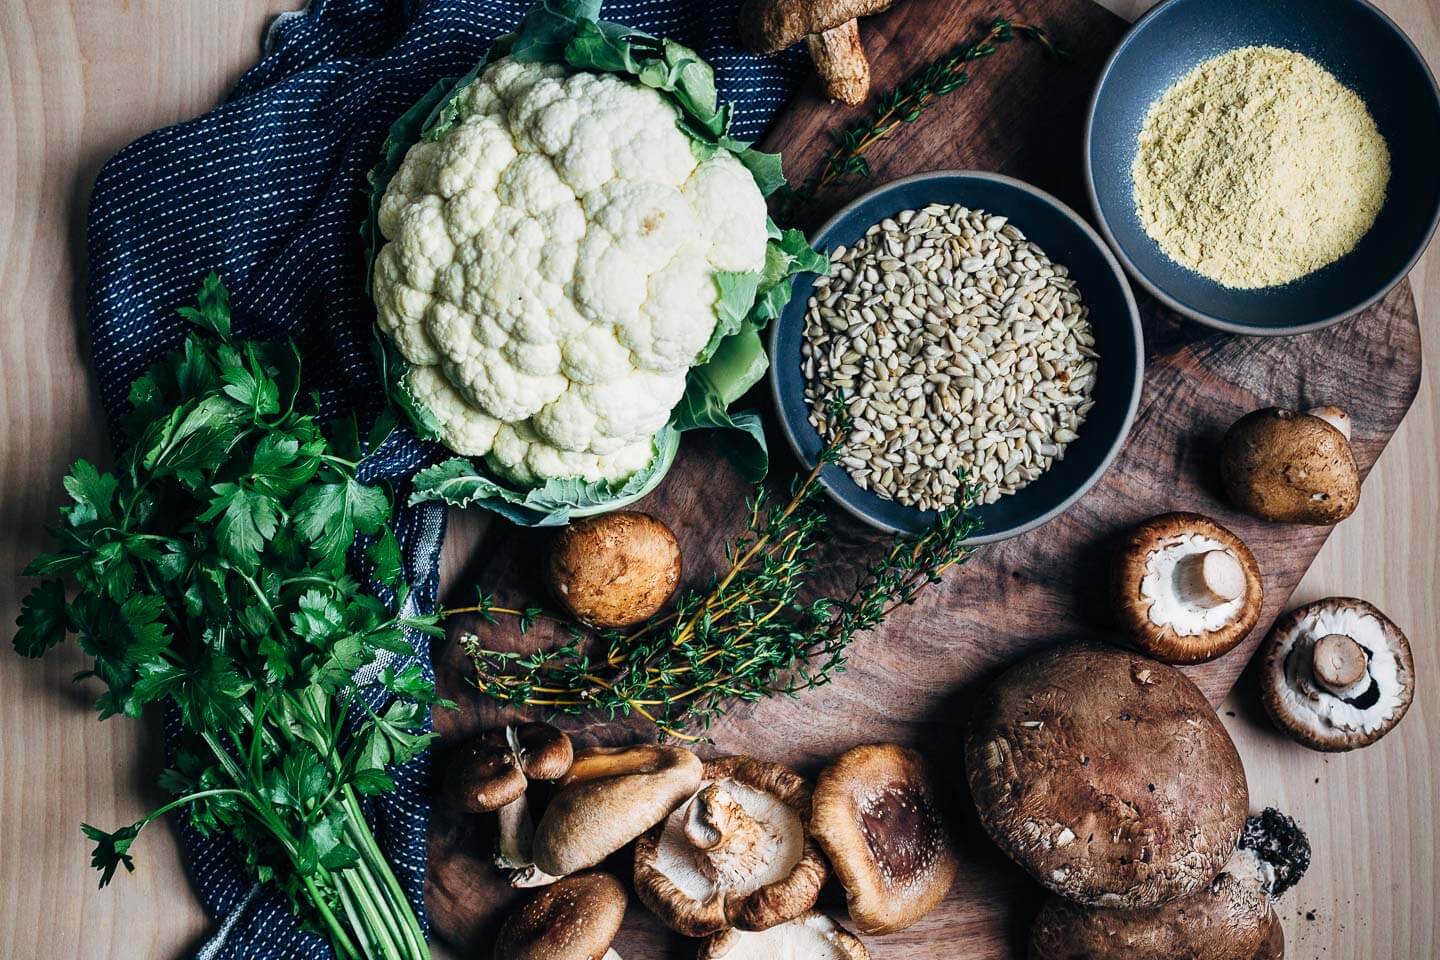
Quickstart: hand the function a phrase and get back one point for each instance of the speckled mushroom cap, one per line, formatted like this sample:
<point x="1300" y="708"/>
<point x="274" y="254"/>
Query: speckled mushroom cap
<point x="1336" y="674"/>
<point x="1226" y="919"/>
<point x="576" y="918"/>
<point x="610" y="796"/>
<point x="813" y="936"/>
<point x="1106" y="775"/>
<point x="877" y="816"/>
<point x="1185" y="589"/>
<point x="737" y="854"/>
<point x="1290" y="467"/>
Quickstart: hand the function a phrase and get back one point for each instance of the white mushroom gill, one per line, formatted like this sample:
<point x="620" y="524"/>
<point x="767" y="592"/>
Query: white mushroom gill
<point x="1173" y="584"/>
<point x="754" y="840"/>
<point x="812" y="937"/>
<point x="1320" y="708"/>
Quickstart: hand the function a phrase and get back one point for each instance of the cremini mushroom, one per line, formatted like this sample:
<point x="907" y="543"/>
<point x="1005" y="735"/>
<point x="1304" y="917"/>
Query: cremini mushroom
<point x="1292" y="467"/>
<point x="491" y="774"/>
<point x="830" y="31"/>
<point x="613" y="570"/>
<point x="574" y="919"/>
<point x="813" y="936"/>
<point x="1106" y="776"/>
<point x="737" y="854"/>
<point x="1336" y="674"/>
<point x="610" y="796"/>
<point x="1185" y="589"/>
<point x="1230" y="918"/>
<point x="876" y="813"/>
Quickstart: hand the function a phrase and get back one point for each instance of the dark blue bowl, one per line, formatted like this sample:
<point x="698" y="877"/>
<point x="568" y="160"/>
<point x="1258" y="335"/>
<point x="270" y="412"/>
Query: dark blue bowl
<point x="1065" y="238"/>
<point x="1367" y="53"/>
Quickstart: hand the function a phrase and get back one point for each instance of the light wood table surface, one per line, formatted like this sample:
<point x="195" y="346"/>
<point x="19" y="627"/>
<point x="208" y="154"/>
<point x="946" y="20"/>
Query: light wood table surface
<point x="78" y="80"/>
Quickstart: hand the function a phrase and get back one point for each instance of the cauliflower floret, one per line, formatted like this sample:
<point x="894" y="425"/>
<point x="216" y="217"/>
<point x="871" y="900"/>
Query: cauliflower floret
<point x="549" y="270"/>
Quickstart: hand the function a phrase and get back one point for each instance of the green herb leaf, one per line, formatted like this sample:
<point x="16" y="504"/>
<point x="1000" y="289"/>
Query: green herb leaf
<point x="43" y="620"/>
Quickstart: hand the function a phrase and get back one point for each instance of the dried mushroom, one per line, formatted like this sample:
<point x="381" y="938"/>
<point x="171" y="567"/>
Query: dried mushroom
<point x="1230" y="918"/>
<point x="613" y="570"/>
<point x="1106" y="776"/>
<point x="491" y="774"/>
<point x="877" y="816"/>
<point x="737" y="854"/>
<point x="1292" y="467"/>
<point x="1337" y="674"/>
<point x="830" y="31"/>
<point x="1185" y="589"/>
<point x="574" y="919"/>
<point x="813" y="936"/>
<point x="611" y="796"/>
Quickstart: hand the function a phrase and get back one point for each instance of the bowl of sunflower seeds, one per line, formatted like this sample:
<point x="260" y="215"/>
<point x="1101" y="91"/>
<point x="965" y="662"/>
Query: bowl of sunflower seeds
<point x="974" y="342"/>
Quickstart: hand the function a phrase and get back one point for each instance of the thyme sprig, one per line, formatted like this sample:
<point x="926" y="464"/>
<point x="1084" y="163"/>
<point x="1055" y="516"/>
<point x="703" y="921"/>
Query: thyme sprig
<point x="755" y="632"/>
<point x="905" y="104"/>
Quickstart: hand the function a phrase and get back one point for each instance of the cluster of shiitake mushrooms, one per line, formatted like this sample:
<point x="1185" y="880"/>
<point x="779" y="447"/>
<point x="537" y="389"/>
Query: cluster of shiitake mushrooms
<point x="733" y="851"/>
<point x="1109" y="779"/>
<point x="1337" y="673"/>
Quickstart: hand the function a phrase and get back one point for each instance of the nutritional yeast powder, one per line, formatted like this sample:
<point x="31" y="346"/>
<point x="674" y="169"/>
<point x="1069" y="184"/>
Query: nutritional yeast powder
<point x="1259" y="167"/>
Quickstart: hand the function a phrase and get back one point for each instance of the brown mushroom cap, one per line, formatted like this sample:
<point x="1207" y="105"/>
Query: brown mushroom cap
<point x="615" y="569"/>
<point x="483" y="777"/>
<point x="543" y="752"/>
<point x="735" y="855"/>
<point x="1185" y="589"/>
<point x="1308" y="683"/>
<point x="1272" y="944"/>
<point x="769" y="26"/>
<point x="1290" y="467"/>
<point x="576" y="918"/>
<point x="1227" y="919"/>
<point x="813" y="936"/>
<point x="610" y="796"/>
<point x="1106" y="775"/>
<point x="876" y="814"/>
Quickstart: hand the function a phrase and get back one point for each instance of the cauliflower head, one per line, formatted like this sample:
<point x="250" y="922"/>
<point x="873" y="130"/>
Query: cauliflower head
<point x="549" y="271"/>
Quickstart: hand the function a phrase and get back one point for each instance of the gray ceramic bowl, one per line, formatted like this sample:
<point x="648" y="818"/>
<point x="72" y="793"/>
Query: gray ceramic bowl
<point x="1367" y="53"/>
<point x="1067" y="239"/>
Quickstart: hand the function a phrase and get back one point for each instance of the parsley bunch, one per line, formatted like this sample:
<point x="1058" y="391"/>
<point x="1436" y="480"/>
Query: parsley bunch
<point x="209" y="574"/>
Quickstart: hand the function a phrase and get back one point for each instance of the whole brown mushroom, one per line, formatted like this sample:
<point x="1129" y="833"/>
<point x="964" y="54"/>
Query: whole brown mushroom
<point x="876" y="813"/>
<point x="1292" y="467"/>
<point x="1106" y="776"/>
<point x="1336" y="674"/>
<point x="490" y="775"/>
<point x="614" y="570"/>
<point x="830" y="31"/>
<point x="1185" y="589"/>
<point x="1230" y="918"/>
<point x="576" y="918"/>
<point x="736" y="854"/>
<point x="611" y="796"/>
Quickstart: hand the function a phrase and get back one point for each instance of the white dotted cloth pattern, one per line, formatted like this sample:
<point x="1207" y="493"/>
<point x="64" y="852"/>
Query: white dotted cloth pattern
<point x="269" y="190"/>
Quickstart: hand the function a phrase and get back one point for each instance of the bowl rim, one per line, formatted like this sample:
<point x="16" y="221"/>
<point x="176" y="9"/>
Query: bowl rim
<point x="1132" y="310"/>
<point x="1211" y="320"/>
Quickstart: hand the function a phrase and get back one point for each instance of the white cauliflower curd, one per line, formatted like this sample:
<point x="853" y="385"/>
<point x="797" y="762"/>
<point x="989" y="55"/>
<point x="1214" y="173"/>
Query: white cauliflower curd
<point x="549" y="270"/>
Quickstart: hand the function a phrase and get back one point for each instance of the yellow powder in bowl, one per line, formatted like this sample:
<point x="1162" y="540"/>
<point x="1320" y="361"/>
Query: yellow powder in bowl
<point x="1259" y="167"/>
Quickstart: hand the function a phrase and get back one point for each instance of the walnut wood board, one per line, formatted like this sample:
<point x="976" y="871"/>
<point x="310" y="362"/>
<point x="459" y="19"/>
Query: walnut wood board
<point x="913" y="680"/>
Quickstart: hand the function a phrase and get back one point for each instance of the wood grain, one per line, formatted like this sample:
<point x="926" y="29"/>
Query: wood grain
<point x="911" y="680"/>
<point x="79" y="79"/>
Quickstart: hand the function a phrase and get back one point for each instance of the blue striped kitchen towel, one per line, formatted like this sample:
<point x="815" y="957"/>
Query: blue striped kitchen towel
<point x="269" y="190"/>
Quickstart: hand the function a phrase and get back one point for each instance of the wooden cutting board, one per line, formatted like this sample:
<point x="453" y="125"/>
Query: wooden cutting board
<point x="913" y="680"/>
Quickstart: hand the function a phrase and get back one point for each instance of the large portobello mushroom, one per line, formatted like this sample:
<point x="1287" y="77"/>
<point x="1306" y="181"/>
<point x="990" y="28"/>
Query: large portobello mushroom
<point x="1106" y="776"/>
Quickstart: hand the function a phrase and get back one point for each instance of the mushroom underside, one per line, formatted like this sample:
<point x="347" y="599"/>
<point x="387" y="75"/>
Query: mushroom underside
<point x="1337" y="674"/>
<point x="813" y="936"/>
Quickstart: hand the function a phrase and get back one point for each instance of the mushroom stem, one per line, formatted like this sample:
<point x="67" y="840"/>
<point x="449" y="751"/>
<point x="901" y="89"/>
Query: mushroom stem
<point x="1209" y="579"/>
<point x="1338" y="663"/>
<point x="512" y="855"/>
<point x="1334" y="416"/>
<point x="840" y="60"/>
